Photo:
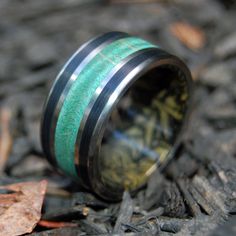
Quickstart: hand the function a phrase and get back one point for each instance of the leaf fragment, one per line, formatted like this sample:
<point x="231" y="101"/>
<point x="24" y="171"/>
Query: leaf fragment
<point x="191" y="36"/>
<point x="20" y="214"/>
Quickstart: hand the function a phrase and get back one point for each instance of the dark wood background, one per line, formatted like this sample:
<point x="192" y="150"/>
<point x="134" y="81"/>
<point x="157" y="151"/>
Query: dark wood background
<point x="196" y="194"/>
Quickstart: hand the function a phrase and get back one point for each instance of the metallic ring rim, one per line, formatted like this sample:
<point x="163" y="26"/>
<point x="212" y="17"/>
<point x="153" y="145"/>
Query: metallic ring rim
<point x="133" y="75"/>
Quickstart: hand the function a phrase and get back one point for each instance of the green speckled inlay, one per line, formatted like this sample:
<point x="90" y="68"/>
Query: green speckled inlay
<point x="81" y="93"/>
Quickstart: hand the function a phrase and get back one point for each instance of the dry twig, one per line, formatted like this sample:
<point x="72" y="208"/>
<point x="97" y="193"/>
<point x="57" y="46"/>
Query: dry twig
<point x="55" y="224"/>
<point x="5" y="137"/>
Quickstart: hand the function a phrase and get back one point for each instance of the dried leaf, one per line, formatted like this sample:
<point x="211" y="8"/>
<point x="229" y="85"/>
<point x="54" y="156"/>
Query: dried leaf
<point x="5" y="137"/>
<point x="22" y="211"/>
<point x="191" y="36"/>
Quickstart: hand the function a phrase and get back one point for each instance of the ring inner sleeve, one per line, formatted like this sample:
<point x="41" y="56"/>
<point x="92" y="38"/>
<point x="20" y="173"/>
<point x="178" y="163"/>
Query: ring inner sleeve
<point x="143" y="128"/>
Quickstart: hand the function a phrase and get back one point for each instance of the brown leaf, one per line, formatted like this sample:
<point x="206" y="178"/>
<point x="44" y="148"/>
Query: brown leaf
<point x="5" y="137"/>
<point x="191" y="36"/>
<point x="22" y="211"/>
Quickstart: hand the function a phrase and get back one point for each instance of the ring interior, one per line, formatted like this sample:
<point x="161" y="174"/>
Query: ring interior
<point x="143" y="128"/>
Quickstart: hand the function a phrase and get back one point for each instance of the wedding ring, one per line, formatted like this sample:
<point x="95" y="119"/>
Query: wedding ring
<point x="115" y="113"/>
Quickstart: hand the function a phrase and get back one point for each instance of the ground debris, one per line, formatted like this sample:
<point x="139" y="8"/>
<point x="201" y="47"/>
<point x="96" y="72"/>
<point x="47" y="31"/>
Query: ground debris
<point x="88" y="200"/>
<point x="172" y="201"/>
<point x="125" y="213"/>
<point x="191" y="36"/>
<point x="22" y="211"/>
<point x="188" y="198"/>
<point x="170" y="225"/>
<point x="55" y="224"/>
<point x="67" y="214"/>
<point x="226" y="47"/>
<point x="68" y="231"/>
<point x="214" y="197"/>
<point x="92" y="228"/>
<point x="195" y="193"/>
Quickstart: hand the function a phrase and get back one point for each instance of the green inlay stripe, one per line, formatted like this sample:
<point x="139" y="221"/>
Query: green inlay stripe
<point x="81" y="94"/>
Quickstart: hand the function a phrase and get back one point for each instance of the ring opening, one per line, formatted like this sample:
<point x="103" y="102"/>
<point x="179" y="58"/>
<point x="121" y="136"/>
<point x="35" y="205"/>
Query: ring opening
<point x="143" y="128"/>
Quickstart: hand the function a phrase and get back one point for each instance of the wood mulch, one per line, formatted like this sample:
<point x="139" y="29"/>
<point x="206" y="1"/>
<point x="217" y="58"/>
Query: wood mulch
<point x="196" y="193"/>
